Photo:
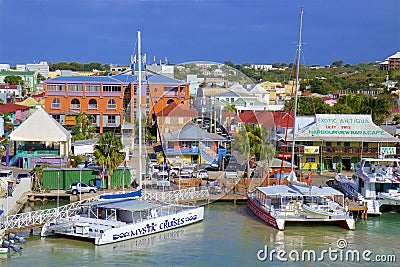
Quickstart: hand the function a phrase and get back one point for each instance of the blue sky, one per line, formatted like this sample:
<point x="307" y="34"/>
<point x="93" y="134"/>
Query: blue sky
<point x="255" y="31"/>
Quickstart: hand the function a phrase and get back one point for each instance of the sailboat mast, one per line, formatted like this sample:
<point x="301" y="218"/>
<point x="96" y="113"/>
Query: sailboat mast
<point x="140" y="107"/>
<point x="297" y="84"/>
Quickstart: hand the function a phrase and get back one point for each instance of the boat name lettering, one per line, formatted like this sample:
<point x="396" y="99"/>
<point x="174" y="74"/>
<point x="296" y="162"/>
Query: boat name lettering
<point x="141" y="231"/>
<point x="177" y="222"/>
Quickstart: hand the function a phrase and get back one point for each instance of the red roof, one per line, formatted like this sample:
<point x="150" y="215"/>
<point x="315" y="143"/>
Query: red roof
<point x="176" y="111"/>
<point x="40" y="95"/>
<point x="8" y="86"/>
<point x="284" y="119"/>
<point x="9" y="108"/>
<point x="259" y="117"/>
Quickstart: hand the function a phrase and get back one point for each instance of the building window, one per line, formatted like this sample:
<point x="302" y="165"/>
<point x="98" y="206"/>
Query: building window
<point x="56" y="87"/>
<point x="92" y="104"/>
<point x="155" y="90"/>
<point x="347" y="144"/>
<point x="75" y="87"/>
<point x="111" y="88"/>
<point x="75" y="104"/>
<point x="111" y="119"/>
<point x="170" y="144"/>
<point x="56" y="103"/>
<point x="92" y="88"/>
<point x="111" y="104"/>
<point x="184" y="143"/>
<point x="328" y="143"/>
<point x="57" y="117"/>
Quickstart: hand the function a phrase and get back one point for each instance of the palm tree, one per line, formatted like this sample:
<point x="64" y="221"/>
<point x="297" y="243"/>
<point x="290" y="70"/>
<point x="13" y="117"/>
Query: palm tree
<point x="267" y="154"/>
<point x="107" y="153"/>
<point x="83" y="128"/>
<point x="241" y="144"/>
<point x="230" y="108"/>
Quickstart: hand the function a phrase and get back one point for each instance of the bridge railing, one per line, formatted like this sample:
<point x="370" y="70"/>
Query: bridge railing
<point x="39" y="217"/>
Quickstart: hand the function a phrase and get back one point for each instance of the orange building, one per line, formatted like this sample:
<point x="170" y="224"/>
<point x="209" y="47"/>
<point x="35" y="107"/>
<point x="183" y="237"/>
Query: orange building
<point x="111" y="100"/>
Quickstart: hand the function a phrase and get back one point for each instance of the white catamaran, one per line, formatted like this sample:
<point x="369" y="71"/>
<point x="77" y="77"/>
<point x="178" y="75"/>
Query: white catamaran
<point x="298" y="202"/>
<point x="120" y="217"/>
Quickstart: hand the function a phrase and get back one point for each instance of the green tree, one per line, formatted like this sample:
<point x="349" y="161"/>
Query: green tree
<point x="13" y="80"/>
<point x="309" y="106"/>
<point x="396" y="119"/>
<point x="107" y="153"/>
<point x="267" y="154"/>
<point x="241" y="144"/>
<point x="337" y="63"/>
<point x="40" y="78"/>
<point x="83" y="128"/>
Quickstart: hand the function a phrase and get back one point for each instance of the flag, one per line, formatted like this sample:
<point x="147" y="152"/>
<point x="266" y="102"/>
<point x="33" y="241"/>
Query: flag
<point x="144" y="58"/>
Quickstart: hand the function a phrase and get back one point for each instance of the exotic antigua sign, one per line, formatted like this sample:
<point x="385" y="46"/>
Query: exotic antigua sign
<point x="345" y="125"/>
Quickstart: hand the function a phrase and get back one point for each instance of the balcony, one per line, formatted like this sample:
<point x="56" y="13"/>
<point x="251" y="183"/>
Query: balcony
<point x="75" y="106"/>
<point x="92" y="106"/>
<point x="182" y="150"/>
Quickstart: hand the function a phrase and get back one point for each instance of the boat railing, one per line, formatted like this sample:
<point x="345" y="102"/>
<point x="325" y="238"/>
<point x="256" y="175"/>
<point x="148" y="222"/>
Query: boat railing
<point x="352" y="191"/>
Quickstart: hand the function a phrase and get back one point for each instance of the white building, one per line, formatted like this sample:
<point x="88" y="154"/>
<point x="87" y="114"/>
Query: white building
<point x="42" y="68"/>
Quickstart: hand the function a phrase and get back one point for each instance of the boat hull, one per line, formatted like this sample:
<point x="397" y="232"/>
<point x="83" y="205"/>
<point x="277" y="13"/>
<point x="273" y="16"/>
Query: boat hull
<point x="264" y="215"/>
<point x="152" y="226"/>
<point x="134" y="230"/>
<point x="347" y="223"/>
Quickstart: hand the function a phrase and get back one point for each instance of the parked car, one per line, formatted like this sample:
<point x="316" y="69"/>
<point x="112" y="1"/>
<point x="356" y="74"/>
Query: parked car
<point x="209" y="167"/>
<point x="174" y="172"/>
<point x="159" y="171"/>
<point x="23" y="175"/>
<point x="6" y="174"/>
<point x="81" y="187"/>
<point x="186" y="172"/>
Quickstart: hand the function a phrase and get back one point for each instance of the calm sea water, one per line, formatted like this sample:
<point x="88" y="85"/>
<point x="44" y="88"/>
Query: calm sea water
<point x="229" y="236"/>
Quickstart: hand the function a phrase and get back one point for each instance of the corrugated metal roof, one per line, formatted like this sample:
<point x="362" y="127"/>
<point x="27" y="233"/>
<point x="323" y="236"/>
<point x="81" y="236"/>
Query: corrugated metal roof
<point x="86" y="79"/>
<point x="157" y="78"/>
<point x="11" y="72"/>
<point x="191" y="132"/>
<point x="8" y="108"/>
<point x="130" y="205"/>
<point x="176" y="111"/>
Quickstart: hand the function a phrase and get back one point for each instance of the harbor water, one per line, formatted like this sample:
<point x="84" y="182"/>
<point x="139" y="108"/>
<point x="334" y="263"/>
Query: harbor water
<point x="230" y="235"/>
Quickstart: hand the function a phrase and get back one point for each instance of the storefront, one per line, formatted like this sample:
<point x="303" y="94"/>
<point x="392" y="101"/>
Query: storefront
<point x="336" y="142"/>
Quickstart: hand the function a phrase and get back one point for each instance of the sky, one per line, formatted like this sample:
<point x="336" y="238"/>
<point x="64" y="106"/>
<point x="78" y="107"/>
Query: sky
<point x="254" y="31"/>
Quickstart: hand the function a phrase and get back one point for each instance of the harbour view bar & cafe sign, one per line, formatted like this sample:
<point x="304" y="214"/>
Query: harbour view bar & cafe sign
<point x="343" y="138"/>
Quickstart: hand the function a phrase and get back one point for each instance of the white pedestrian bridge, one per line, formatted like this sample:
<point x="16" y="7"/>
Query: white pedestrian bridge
<point x="35" y="219"/>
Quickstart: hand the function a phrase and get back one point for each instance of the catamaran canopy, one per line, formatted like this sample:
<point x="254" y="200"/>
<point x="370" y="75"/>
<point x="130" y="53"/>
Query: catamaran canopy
<point x="129" y="205"/>
<point x="296" y="190"/>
